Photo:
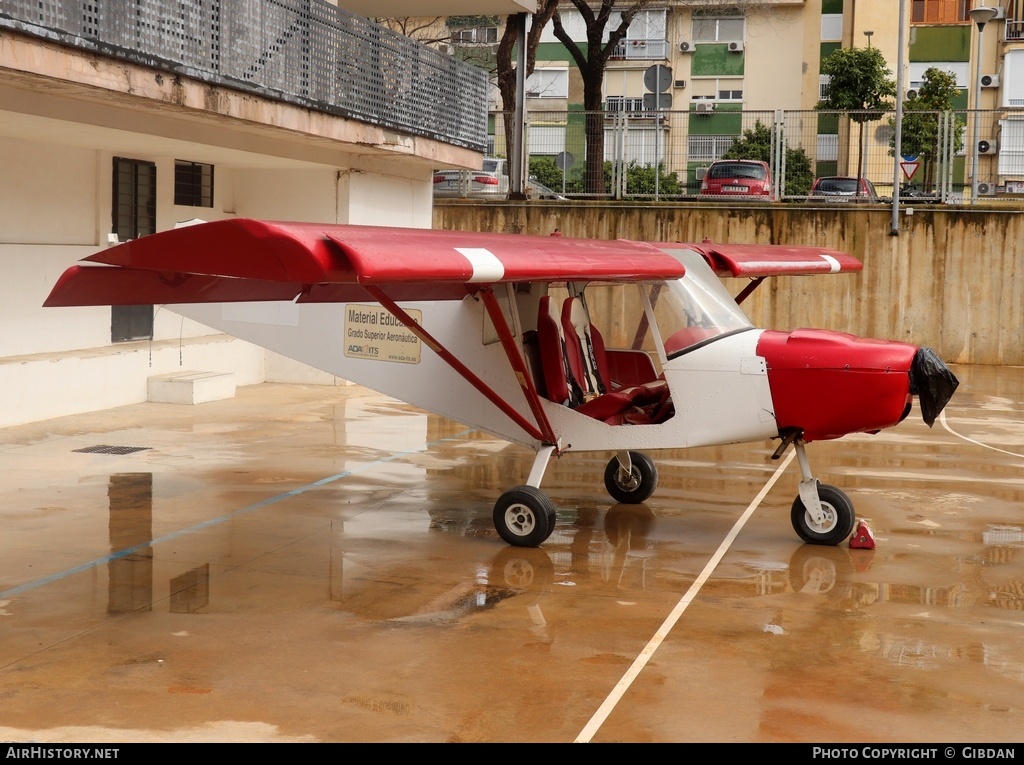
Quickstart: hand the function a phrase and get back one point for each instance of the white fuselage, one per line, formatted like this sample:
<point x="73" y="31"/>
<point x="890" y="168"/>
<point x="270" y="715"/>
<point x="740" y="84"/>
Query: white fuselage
<point x="720" y="390"/>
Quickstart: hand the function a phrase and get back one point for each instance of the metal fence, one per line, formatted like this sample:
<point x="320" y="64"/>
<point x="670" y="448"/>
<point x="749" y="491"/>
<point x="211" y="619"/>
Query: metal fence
<point x="307" y="52"/>
<point x="937" y="151"/>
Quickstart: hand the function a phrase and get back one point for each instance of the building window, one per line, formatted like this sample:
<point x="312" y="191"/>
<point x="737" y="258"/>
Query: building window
<point x="831" y="26"/>
<point x="717" y="89"/>
<point x="940" y="11"/>
<point x="193" y="184"/>
<point x="645" y="36"/>
<point x="133" y="215"/>
<point x="708" y="148"/>
<point x="548" y="83"/>
<point x="475" y="36"/>
<point x="711" y="29"/>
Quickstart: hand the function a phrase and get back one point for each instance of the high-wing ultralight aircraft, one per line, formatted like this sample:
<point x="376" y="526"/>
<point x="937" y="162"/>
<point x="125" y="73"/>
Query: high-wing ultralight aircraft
<point x="496" y="331"/>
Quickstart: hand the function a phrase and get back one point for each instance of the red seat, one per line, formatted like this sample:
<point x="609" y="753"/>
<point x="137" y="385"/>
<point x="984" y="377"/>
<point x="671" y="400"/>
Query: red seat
<point x="589" y="362"/>
<point x="563" y="370"/>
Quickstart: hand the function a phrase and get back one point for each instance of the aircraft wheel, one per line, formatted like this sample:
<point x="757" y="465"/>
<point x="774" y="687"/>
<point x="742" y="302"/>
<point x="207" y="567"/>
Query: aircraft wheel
<point x="839" y="518"/>
<point x="524" y="516"/>
<point x="634" y="488"/>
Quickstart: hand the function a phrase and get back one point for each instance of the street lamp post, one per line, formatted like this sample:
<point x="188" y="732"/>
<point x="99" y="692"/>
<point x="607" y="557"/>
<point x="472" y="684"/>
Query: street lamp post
<point x="980" y="16"/>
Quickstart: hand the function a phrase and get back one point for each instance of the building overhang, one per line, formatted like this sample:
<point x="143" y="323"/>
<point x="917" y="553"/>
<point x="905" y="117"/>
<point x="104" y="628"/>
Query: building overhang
<point x="51" y="92"/>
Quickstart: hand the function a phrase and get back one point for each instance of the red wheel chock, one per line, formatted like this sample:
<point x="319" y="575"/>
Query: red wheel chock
<point x="862" y="538"/>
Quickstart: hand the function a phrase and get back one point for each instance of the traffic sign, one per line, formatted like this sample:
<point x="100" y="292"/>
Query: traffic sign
<point x="909" y="168"/>
<point x="657" y="78"/>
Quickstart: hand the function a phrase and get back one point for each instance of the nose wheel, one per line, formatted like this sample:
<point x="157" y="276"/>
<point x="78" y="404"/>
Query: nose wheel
<point x="834" y="523"/>
<point x="821" y="514"/>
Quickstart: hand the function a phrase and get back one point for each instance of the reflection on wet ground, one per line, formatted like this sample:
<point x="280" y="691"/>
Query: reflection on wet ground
<point x="319" y="564"/>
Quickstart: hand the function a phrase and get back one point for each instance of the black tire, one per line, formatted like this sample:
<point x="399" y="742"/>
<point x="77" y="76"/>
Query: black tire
<point x="524" y="516"/>
<point x="640" y="485"/>
<point x="839" y="521"/>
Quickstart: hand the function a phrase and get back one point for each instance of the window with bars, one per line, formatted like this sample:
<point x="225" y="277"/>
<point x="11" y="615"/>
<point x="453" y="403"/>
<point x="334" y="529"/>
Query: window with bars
<point x="193" y="183"/>
<point x="617" y="104"/>
<point x="708" y="148"/>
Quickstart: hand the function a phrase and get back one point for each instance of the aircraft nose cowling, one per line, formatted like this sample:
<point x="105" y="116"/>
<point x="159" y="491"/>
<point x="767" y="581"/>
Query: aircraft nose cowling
<point x="827" y="384"/>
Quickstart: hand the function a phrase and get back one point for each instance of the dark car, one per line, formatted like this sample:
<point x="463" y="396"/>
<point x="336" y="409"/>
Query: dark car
<point x="839" y="188"/>
<point x="737" y="178"/>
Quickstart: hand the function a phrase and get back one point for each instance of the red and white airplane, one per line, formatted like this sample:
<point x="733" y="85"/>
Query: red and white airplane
<point x="494" y="331"/>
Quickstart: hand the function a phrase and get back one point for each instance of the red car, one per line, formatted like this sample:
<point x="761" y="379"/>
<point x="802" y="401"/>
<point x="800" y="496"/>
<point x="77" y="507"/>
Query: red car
<point x="737" y="178"/>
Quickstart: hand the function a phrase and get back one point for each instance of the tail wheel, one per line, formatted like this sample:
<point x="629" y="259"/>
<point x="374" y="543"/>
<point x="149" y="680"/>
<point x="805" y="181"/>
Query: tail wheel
<point x="524" y="516"/>
<point x="635" y="486"/>
<point x="837" y="524"/>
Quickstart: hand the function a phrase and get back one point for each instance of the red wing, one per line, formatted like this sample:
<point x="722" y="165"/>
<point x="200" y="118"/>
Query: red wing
<point x="243" y="259"/>
<point x="753" y="260"/>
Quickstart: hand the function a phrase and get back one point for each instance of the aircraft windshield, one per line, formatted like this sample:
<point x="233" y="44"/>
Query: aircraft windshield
<point x="696" y="309"/>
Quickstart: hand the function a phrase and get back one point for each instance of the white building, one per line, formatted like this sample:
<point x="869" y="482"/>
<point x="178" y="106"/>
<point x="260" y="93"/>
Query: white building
<point x="118" y="120"/>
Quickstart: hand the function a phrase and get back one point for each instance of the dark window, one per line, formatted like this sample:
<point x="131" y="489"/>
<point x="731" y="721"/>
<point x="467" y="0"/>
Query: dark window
<point x="193" y="184"/>
<point x="721" y="170"/>
<point x="134" y="215"/>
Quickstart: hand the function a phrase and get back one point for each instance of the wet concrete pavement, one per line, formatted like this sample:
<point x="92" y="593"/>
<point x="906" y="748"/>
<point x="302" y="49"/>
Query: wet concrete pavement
<point x="304" y="563"/>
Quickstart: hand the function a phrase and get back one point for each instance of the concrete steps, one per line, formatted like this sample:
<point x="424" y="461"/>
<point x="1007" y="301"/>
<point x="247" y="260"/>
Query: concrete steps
<point x="191" y="387"/>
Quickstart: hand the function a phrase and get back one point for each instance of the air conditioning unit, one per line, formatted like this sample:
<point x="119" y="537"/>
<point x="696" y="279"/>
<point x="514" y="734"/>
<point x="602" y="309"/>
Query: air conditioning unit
<point x="988" y="147"/>
<point x="679" y="84"/>
<point x="686" y="47"/>
<point x="990" y="80"/>
<point x="986" y="189"/>
<point x="911" y="94"/>
<point x="735" y="47"/>
<point x="704" y="107"/>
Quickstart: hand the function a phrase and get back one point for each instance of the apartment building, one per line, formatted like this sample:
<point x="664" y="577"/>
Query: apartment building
<point x="718" y="60"/>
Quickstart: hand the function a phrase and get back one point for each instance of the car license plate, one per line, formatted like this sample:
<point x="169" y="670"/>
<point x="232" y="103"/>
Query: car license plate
<point x="742" y="189"/>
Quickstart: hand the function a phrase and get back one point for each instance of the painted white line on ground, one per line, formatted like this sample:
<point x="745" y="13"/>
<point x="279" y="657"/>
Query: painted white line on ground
<point x="942" y="419"/>
<point x="645" y="655"/>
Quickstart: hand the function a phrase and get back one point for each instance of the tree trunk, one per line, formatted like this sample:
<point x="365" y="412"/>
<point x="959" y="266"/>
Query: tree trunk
<point x="594" y="177"/>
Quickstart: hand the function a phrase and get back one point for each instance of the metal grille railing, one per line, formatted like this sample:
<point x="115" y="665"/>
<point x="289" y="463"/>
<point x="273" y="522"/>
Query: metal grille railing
<point x="306" y="52"/>
<point x="799" y="146"/>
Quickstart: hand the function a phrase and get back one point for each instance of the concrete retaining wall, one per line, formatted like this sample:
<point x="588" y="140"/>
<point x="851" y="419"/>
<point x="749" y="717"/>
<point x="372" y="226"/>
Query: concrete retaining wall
<point x="953" y="279"/>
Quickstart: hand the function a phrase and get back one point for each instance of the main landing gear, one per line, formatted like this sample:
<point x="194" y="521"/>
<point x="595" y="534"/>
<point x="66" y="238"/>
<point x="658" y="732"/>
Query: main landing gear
<point x="525" y="517"/>
<point x="821" y="514"/>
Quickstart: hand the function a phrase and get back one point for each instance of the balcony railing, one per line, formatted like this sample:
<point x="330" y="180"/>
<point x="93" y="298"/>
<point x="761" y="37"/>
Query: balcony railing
<point x="655" y="50"/>
<point x="306" y="52"/>
<point x="1014" y="30"/>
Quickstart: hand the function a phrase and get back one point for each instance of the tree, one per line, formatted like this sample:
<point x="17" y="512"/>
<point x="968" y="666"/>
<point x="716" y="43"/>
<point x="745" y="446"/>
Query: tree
<point x="757" y="144"/>
<point x="506" y="71"/>
<point x="591" y="60"/>
<point x="859" y="83"/>
<point x="446" y="31"/>
<point x="922" y="113"/>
